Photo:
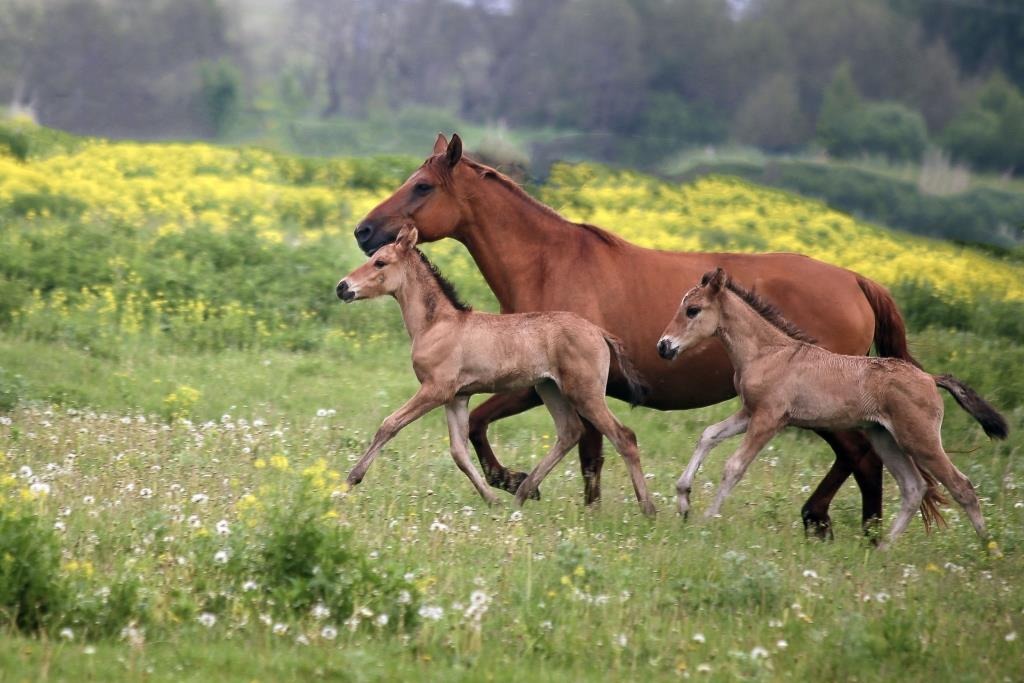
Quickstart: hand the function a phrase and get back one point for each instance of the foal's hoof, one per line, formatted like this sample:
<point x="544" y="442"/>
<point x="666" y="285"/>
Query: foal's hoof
<point x="515" y="479"/>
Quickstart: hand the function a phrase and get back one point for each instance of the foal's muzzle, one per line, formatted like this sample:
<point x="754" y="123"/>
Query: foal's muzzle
<point x="666" y="349"/>
<point x="344" y="293"/>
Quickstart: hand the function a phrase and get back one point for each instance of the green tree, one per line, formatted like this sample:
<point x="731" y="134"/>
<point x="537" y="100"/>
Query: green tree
<point x="771" y="117"/>
<point x="842" y="99"/>
<point x="989" y="132"/>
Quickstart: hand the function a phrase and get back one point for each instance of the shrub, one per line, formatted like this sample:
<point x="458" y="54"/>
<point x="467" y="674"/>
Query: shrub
<point x="31" y="588"/>
<point x="219" y="94"/>
<point x="989" y="132"/>
<point x="12" y="387"/>
<point x="770" y="117"/>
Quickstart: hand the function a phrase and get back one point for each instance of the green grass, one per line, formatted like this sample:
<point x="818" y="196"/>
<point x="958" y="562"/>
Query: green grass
<point x="576" y="594"/>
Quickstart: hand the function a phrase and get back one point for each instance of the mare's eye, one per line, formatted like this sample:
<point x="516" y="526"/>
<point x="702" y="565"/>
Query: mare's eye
<point x="692" y="312"/>
<point x="379" y="263"/>
<point x="422" y="188"/>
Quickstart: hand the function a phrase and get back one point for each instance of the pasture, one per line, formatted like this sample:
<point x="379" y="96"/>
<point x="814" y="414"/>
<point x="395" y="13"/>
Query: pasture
<point x="181" y="396"/>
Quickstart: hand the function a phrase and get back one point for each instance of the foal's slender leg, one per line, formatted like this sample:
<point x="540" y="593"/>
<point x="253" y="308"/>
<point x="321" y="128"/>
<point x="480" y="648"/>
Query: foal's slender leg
<point x="568" y="430"/>
<point x="854" y="455"/>
<point x="712" y="436"/>
<point x="760" y="429"/>
<point x="595" y="409"/>
<point x="419" y="405"/>
<point x="912" y="484"/>
<point x="496" y="408"/>
<point x="457" y="413"/>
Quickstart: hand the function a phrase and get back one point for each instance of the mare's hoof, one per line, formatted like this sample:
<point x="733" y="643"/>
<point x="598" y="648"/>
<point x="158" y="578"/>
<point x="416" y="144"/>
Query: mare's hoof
<point x="514" y="479"/>
<point x="819" y="528"/>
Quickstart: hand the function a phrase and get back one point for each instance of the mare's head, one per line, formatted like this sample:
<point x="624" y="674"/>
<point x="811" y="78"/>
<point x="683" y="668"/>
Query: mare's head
<point x="698" y="316"/>
<point x="384" y="273"/>
<point x="428" y="198"/>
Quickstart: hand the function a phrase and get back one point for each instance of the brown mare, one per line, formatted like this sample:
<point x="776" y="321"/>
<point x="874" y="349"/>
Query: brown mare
<point x="535" y="260"/>
<point x="457" y="352"/>
<point x="784" y="379"/>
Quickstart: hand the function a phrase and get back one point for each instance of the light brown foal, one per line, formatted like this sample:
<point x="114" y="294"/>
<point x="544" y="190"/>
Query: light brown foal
<point x="783" y="379"/>
<point x="457" y="352"/>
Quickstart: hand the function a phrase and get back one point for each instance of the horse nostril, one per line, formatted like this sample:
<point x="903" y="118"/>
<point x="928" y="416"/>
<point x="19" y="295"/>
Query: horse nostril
<point x="664" y="349"/>
<point x="342" y="289"/>
<point x="363" y="231"/>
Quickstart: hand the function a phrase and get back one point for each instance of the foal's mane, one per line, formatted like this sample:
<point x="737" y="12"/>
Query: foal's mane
<point x="512" y="186"/>
<point x="447" y="288"/>
<point x="769" y="312"/>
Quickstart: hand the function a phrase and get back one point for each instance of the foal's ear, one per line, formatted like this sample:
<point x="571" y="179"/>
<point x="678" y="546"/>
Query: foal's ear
<point x="714" y="280"/>
<point x="407" y="237"/>
<point x="440" y="144"/>
<point x="454" y="150"/>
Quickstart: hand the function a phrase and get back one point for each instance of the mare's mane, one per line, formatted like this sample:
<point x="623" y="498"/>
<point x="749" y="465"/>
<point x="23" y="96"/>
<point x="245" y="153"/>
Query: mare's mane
<point x="447" y="288"/>
<point x="769" y="312"/>
<point x="512" y="186"/>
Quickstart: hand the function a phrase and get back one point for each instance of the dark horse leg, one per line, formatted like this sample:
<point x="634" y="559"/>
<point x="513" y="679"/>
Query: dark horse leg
<point x="854" y="455"/>
<point x="495" y="408"/>
<point x="506" y="405"/>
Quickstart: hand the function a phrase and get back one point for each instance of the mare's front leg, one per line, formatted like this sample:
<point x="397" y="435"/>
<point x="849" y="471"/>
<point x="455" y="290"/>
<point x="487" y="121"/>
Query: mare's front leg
<point x="761" y="428"/>
<point x="457" y="413"/>
<point x="496" y="408"/>
<point x="419" y="405"/>
<point x="711" y="437"/>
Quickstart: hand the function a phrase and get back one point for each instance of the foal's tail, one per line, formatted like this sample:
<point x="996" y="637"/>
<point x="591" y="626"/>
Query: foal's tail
<point x="890" y="332"/>
<point x="638" y="389"/>
<point x="981" y="410"/>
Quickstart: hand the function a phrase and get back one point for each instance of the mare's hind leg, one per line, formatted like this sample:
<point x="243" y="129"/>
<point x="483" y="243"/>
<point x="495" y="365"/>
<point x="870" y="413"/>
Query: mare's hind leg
<point x="496" y="408"/>
<point x="594" y="409"/>
<point x="457" y="414"/>
<point x="854" y="455"/>
<point x="912" y="484"/>
<point x="591" y="462"/>
<point x="760" y="429"/>
<point x="568" y="430"/>
<point x="711" y="437"/>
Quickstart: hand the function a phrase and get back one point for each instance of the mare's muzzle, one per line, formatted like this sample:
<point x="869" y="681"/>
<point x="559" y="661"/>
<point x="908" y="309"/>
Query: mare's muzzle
<point x="344" y="293"/>
<point x="371" y="236"/>
<point x="666" y="349"/>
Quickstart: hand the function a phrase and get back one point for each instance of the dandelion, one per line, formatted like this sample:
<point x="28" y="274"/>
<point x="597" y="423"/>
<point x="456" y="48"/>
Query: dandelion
<point x="39" y="489"/>
<point x="200" y="498"/>
<point x="194" y="521"/>
<point x="1010" y="637"/>
<point x="279" y="462"/>
<point x="146" y="492"/>
<point x="381" y="620"/>
<point x="882" y="596"/>
<point x="328" y="633"/>
<point x="431" y="612"/>
<point x="781" y="644"/>
<point x="301" y="639"/>
<point x="66" y="634"/>
<point x="88" y="500"/>
<point x="207" y="619"/>
<point x="810" y="574"/>
<point x="439" y="526"/>
<point x="704" y="668"/>
<point x="404" y="598"/>
<point x="279" y="629"/>
<point x="221" y="557"/>
<point x="223" y="528"/>
<point x="516" y="516"/>
<point x="698" y="638"/>
<point x="758" y="652"/>
<point x="320" y="611"/>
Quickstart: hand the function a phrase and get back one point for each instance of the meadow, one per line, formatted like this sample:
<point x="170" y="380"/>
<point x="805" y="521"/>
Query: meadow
<point x="181" y="396"/>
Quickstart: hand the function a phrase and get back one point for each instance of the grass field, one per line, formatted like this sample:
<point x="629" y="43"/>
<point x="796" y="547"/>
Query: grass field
<point x="180" y="399"/>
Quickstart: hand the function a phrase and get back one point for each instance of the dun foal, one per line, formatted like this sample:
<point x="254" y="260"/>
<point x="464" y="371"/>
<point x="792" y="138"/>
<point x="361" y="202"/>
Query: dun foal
<point x="784" y="379"/>
<point x="457" y="352"/>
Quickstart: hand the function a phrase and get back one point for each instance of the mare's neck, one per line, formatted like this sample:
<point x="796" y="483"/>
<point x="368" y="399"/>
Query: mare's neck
<point x="746" y="335"/>
<point x="421" y="299"/>
<point x="513" y="241"/>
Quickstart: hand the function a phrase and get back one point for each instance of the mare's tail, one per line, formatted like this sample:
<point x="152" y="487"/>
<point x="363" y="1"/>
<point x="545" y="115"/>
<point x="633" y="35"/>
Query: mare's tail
<point x="890" y="332"/>
<point x="638" y="389"/>
<point x="981" y="410"/>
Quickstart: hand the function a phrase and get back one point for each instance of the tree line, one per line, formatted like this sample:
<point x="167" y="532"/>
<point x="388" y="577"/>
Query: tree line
<point x="637" y="77"/>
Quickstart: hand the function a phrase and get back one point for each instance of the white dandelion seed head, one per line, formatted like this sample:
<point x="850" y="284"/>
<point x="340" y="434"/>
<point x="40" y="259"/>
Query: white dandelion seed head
<point x="320" y="611"/>
<point x="758" y="652"/>
<point x="221" y="557"/>
<point x="223" y="528"/>
<point x="781" y="644"/>
<point x="329" y="633"/>
<point x="431" y="612"/>
<point x="699" y="638"/>
<point x="516" y="516"/>
<point x="381" y="620"/>
<point x="66" y="634"/>
<point x="280" y="629"/>
<point x="207" y="619"/>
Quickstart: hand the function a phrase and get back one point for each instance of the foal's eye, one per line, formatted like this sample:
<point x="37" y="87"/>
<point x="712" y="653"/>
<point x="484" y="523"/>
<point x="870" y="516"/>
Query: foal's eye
<point x="692" y="312"/>
<point x="422" y="188"/>
<point x="379" y="263"/>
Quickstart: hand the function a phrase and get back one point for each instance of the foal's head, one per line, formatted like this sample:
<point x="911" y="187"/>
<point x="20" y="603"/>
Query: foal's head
<point x="698" y="315"/>
<point x="384" y="273"/>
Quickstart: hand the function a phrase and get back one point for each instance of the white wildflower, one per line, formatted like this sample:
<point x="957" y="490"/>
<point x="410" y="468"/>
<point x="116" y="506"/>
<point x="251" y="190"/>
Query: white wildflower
<point x="758" y="652"/>
<point x="431" y="612"/>
<point x="516" y="516"/>
<point x="67" y="634"/>
<point x="207" y="619"/>
<point x="698" y="638"/>
<point x="221" y="557"/>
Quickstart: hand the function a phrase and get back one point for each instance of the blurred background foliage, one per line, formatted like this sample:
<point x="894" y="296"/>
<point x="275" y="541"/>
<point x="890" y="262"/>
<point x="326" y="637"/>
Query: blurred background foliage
<point x="924" y="92"/>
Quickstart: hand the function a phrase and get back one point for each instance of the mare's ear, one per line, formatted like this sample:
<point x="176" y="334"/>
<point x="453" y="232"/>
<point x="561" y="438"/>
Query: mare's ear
<point x="407" y="237"/>
<point x="714" y="280"/>
<point x="440" y="144"/>
<point x="454" y="150"/>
